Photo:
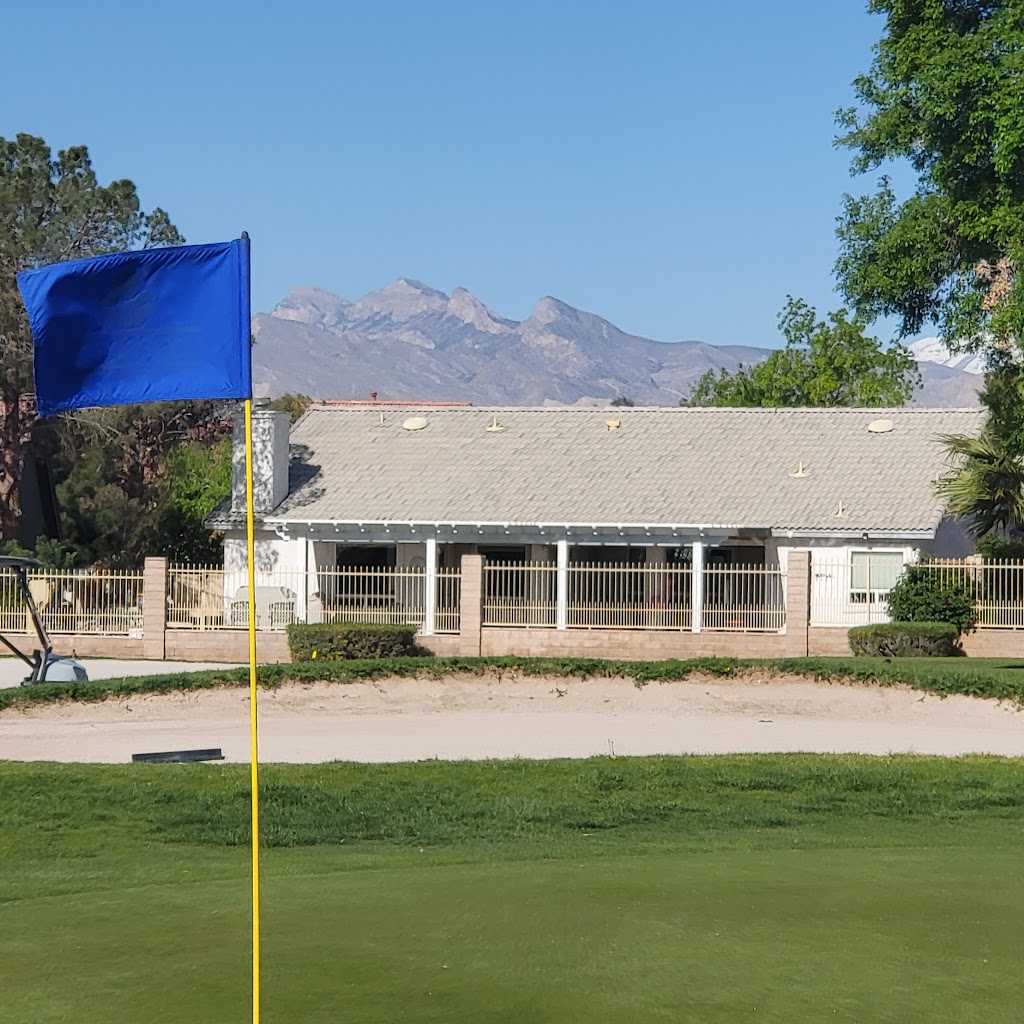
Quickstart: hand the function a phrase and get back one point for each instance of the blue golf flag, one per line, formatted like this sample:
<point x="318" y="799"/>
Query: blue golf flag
<point x="148" y="326"/>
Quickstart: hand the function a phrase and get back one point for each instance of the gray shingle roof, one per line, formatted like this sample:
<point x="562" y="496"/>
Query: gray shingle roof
<point x="669" y="467"/>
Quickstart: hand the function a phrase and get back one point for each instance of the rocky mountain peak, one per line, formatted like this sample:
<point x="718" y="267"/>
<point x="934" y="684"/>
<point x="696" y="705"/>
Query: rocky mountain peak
<point x="310" y="305"/>
<point x="465" y="306"/>
<point x="549" y="309"/>
<point x="402" y="299"/>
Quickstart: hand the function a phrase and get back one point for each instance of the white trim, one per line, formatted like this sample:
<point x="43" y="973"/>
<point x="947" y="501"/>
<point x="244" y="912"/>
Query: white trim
<point x="277" y="521"/>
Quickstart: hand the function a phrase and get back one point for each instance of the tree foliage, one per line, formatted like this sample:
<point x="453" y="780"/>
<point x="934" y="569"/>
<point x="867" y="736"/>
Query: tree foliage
<point x="139" y="480"/>
<point x="943" y="94"/>
<point x="295" y="404"/>
<point x="823" y="364"/>
<point x="985" y="483"/>
<point x="51" y="209"/>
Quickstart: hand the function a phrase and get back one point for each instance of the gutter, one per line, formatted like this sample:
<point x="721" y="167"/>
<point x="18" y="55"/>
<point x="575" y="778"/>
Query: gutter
<point x="279" y="523"/>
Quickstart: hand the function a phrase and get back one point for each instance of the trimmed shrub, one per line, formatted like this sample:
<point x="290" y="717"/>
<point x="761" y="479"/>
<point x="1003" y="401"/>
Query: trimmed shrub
<point x="345" y="641"/>
<point x="906" y="640"/>
<point x="921" y="595"/>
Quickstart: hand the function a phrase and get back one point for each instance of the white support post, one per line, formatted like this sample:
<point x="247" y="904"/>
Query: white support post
<point x="697" y="586"/>
<point x="562" y="584"/>
<point x="302" y="591"/>
<point x="430" y="587"/>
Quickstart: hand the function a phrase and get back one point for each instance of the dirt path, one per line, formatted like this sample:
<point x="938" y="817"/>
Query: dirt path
<point x="409" y="719"/>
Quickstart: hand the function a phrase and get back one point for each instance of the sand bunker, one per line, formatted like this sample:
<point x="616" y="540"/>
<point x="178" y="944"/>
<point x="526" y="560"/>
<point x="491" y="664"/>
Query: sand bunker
<point x="414" y="719"/>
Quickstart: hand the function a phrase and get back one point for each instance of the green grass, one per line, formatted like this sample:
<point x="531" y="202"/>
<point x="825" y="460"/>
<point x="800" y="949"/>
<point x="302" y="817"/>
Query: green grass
<point x="761" y="888"/>
<point x="1000" y="678"/>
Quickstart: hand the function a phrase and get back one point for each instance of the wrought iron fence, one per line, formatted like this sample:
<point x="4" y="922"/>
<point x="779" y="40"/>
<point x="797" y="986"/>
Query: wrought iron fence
<point x="447" y="617"/>
<point x="208" y="597"/>
<point x="86" y="602"/>
<point x="634" y="596"/>
<point x="853" y="591"/>
<point x="744" y="599"/>
<point x="997" y="588"/>
<point x="519" y="594"/>
<point x="629" y="596"/>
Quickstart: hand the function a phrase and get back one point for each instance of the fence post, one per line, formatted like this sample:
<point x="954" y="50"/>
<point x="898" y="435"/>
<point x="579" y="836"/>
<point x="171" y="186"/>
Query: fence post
<point x="471" y="603"/>
<point x="154" y="608"/>
<point x="798" y="602"/>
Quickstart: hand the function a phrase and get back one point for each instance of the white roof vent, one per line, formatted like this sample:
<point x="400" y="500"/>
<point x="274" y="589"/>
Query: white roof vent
<point x="880" y="427"/>
<point x="414" y="423"/>
<point x="495" y="427"/>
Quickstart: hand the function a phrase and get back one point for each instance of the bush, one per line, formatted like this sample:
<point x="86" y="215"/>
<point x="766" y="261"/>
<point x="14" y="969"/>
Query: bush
<point x="344" y="641"/>
<point x="906" y="640"/>
<point x="998" y="548"/>
<point x="921" y="595"/>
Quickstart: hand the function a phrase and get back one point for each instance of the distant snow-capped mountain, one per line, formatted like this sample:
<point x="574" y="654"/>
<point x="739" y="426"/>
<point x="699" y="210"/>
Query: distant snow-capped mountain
<point x="933" y="350"/>
<point x="408" y="341"/>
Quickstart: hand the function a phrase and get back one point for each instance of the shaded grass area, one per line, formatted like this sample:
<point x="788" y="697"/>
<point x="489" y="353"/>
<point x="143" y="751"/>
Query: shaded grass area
<point x="744" y="888"/>
<point x="999" y="678"/>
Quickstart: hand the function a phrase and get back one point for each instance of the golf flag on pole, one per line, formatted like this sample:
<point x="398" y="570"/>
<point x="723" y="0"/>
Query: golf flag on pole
<point x="148" y="326"/>
<point x="155" y="326"/>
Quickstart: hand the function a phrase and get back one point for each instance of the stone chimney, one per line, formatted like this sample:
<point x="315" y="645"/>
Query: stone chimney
<point x="269" y="460"/>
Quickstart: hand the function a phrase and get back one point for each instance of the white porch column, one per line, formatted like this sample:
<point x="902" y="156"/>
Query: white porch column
<point x="302" y="591"/>
<point x="562" y="584"/>
<point x="429" y="586"/>
<point x="697" y="586"/>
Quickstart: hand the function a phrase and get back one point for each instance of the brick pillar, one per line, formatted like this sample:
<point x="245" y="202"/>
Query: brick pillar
<point x="154" y="608"/>
<point x="798" y="603"/>
<point x="471" y="604"/>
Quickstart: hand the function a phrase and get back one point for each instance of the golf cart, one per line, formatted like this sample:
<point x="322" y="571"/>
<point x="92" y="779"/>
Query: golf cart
<point x="44" y="665"/>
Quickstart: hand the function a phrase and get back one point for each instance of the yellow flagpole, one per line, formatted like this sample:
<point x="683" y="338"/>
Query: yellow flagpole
<point x="253" y="718"/>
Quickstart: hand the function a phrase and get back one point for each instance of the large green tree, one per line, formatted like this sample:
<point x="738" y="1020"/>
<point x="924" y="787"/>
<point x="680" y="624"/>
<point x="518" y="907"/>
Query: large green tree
<point x="52" y="208"/>
<point x="831" y="363"/>
<point x="139" y="480"/>
<point x="944" y="95"/>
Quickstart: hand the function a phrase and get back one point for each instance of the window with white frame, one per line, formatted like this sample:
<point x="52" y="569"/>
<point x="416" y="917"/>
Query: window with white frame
<point x="873" y="574"/>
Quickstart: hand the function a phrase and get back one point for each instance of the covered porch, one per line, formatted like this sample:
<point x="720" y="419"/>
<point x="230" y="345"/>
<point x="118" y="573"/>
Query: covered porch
<point x="561" y="578"/>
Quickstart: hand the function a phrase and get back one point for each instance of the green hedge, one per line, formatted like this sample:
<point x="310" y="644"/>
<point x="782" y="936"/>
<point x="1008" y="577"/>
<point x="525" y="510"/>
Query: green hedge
<point x="346" y="641"/>
<point x="906" y="640"/>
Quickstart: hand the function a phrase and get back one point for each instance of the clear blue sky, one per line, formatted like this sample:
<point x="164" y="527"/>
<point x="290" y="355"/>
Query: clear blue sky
<point x="667" y="165"/>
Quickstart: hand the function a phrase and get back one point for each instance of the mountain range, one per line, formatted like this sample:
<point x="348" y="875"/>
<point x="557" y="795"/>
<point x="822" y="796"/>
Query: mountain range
<point x="411" y="342"/>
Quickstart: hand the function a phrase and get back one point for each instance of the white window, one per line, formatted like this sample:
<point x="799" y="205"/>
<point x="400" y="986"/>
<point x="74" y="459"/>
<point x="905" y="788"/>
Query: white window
<point x="873" y="574"/>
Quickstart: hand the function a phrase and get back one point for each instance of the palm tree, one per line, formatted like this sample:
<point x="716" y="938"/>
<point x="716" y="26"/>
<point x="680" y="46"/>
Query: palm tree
<point x="986" y="486"/>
